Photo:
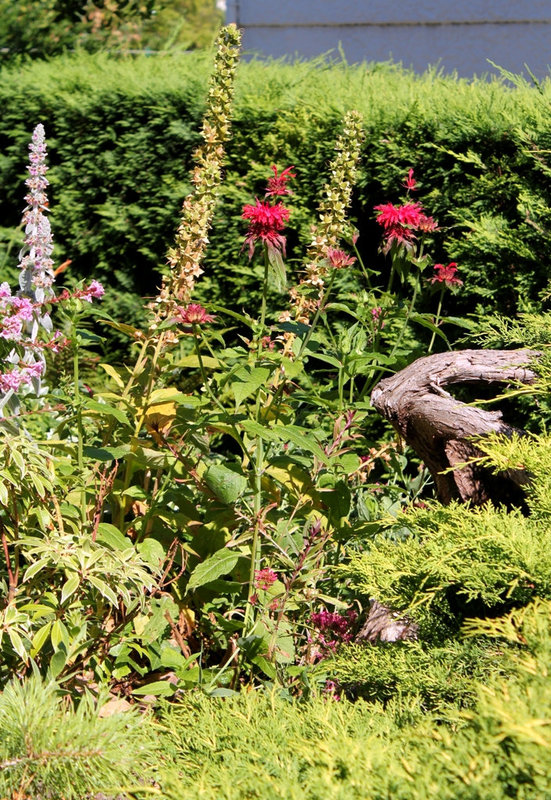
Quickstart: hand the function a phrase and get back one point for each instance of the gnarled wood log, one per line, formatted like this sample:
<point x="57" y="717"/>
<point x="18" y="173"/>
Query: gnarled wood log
<point x="440" y="428"/>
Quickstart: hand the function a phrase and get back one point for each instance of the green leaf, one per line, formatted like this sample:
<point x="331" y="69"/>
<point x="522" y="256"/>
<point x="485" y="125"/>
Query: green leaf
<point x="426" y="321"/>
<point x="17" y="644"/>
<point x="106" y="410"/>
<point x="226" y="484"/>
<point x="113" y="373"/>
<point x="285" y="433"/>
<point x="220" y="563"/>
<point x="248" y="382"/>
<point x="36" y="567"/>
<point x="266" y="666"/>
<point x="106" y="453"/>
<point x="57" y="662"/>
<point x="277" y="276"/>
<point x="152" y="551"/>
<point x="40" y="638"/>
<point x="111" y="536"/>
<point x="69" y="587"/>
<point x="156" y="688"/>
<point x="104" y="589"/>
<point x="193" y="361"/>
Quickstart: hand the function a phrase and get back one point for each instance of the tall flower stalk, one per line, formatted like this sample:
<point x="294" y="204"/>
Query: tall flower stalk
<point x="24" y="315"/>
<point x="186" y="257"/>
<point x="307" y="297"/>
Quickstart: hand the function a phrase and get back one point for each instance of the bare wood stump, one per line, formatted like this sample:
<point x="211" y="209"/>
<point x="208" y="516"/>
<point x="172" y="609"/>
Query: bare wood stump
<point x="440" y="428"/>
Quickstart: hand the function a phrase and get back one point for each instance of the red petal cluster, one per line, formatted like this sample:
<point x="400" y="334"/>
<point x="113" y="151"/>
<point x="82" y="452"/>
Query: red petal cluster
<point x="264" y="578"/>
<point x="265" y="223"/>
<point x="277" y="186"/>
<point x="193" y="314"/>
<point x="339" y="259"/>
<point x="410" y="183"/>
<point x="401" y="222"/>
<point x="446" y="274"/>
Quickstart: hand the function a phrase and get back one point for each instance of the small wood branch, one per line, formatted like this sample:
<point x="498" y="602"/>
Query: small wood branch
<point x="440" y="428"/>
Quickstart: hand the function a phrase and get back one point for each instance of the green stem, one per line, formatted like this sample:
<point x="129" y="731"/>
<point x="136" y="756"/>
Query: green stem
<point x="80" y="428"/>
<point x="206" y="384"/>
<point x="363" y="267"/>
<point x="255" y="545"/>
<point x="409" y="312"/>
<point x="319" y="310"/>
<point x="263" y="302"/>
<point x="258" y="466"/>
<point x="437" y="320"/>
<point x="141" y="417"/>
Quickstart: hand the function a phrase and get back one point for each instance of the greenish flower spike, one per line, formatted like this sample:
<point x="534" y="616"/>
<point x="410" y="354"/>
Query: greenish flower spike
<point x="331" y="228"/>
<point x="186" y="256"/>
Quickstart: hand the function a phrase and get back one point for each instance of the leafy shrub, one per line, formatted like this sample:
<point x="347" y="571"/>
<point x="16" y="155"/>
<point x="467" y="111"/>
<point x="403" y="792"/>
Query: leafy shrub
<point x="55" y="26"/>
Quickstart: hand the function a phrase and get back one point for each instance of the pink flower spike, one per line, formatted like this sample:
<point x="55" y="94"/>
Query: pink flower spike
<point x="96" y="289"/>
<point x="193" y="314"/>
<point x="264" y="578"/>
<point x="446" y="274"/>
<point x="410" y="183"/>
<point x="277" y="186"/>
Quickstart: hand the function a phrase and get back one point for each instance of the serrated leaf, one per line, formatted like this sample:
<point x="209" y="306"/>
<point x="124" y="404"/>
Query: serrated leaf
<point x="220" y="563"/>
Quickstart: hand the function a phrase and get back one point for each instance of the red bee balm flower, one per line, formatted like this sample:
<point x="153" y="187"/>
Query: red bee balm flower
<point x="265" y="223"/>
<point x="446" y="274"/>
<point x="278" y="184"/>
<point x="400" y="222"/>
<point x="193" y="314"/>
<point x="410" y="183"/>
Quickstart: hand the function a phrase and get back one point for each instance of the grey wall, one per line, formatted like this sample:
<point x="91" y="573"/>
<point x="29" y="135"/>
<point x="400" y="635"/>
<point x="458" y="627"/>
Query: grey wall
<point x="459" y="36"/>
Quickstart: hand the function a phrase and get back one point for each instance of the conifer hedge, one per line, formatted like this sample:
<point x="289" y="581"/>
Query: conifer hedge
<point x="122" y="132"/>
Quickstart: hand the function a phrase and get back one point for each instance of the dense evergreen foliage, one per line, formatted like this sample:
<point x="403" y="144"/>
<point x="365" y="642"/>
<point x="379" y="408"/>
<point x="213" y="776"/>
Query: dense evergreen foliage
<point x="123" y="132"/>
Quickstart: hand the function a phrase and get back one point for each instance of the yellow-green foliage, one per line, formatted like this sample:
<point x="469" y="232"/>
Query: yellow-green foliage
<point x="260" y="746"/>
<point x="485" y="554"/>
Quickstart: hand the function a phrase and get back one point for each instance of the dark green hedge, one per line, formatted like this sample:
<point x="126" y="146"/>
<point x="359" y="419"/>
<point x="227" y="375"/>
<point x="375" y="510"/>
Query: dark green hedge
<point x="121" y="134"/>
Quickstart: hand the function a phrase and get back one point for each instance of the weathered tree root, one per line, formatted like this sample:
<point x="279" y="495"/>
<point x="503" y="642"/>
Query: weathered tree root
<point x="440" y="428"/>
<point x="384" y="625"/>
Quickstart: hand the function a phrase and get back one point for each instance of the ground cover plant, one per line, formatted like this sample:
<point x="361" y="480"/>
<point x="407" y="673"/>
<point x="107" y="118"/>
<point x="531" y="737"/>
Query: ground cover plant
<point x="203" y="529"/>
